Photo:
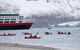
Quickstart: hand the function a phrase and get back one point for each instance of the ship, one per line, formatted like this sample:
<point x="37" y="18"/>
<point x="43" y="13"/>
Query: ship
<point x="13" y="22"/>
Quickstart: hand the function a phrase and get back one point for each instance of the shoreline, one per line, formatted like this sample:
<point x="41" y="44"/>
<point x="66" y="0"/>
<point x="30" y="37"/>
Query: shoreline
<point x="10" y="46"/>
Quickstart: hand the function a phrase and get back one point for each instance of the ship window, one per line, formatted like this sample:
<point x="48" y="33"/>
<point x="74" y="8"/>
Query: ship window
<point x="12" y="21"/>
<point x="1" y="21"/>
<point x="20" y="21"/>
<point x="21" y="17"/>
<point x="6" y="21"/>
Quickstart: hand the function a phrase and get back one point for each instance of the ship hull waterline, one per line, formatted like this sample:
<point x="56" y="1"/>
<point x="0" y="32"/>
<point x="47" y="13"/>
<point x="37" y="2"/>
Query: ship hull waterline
<point x="15" y="26"/>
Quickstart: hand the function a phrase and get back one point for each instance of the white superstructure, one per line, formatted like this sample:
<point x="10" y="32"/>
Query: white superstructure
<point x="11" y="18"/>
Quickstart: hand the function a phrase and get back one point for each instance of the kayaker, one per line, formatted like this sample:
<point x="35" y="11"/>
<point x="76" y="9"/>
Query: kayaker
<point x="26" y="33"/>
<point x="46" y="33"/>
<point x="4" y="34"/>
<point x="35" y="36"/>
<point x="9" y="34"/>
<point x="31" y="36"/>
<point x="69" y="33"/>
<point x="59" y="32"/>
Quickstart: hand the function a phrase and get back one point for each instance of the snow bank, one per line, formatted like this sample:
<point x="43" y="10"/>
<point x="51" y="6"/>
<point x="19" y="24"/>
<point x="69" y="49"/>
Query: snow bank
<point x="74" y="23"/>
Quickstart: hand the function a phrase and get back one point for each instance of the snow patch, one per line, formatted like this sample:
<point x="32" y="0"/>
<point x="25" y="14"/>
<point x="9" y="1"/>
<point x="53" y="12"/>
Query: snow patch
<point x="74" y="23"/>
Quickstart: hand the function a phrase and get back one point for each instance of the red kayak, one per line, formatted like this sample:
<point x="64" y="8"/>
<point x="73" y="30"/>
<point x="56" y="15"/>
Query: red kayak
<point x="47" y="33"/>
<point x="8" y="35"/>
<point x="32" y="37"/>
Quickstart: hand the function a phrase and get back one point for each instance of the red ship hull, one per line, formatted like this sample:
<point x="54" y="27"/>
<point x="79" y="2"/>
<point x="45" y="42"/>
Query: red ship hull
<point x="13" y="26"/>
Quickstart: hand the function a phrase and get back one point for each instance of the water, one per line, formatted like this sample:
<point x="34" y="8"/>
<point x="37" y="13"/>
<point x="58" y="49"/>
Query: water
<point x="64" y="42"/>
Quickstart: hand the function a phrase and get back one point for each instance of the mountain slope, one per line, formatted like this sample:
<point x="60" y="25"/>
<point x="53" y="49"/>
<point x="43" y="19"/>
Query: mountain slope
<point x="6" y="6"/>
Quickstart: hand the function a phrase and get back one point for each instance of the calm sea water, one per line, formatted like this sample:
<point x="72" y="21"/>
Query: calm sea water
<point x="64" y="42"/>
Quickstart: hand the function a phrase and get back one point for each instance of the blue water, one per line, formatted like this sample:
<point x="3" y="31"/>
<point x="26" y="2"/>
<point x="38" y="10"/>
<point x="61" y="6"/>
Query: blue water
<point x="64" y="42"/>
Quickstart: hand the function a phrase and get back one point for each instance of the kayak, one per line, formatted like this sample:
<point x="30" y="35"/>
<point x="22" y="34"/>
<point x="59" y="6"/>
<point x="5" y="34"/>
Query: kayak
<point x="32" y="38"/>
<point x="8" y="35"/>
<point x="47" y="33"/>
